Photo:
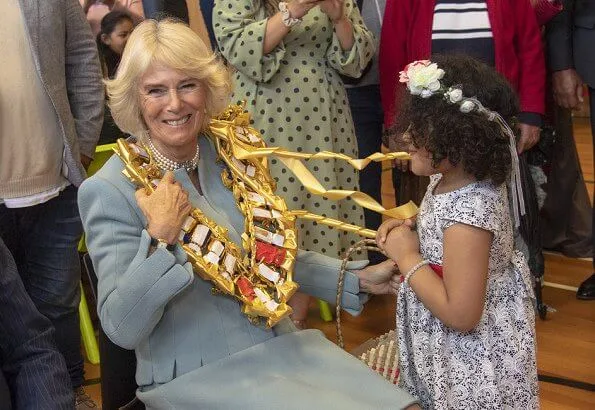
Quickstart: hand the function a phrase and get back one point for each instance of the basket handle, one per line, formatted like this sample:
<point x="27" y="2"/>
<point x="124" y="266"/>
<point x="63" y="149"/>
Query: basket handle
<point x="365" y="244"/>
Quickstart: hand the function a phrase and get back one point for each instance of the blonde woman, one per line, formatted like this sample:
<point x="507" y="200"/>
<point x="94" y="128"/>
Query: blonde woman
<point x="196" y="349"/>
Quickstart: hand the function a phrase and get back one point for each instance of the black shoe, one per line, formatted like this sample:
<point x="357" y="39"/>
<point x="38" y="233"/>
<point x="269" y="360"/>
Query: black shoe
<point x="586" y="290"/>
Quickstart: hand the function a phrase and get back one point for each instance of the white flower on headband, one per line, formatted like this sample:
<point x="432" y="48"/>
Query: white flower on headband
<point x="454" y="95"/>
<point x="467" y="106"/>
<point x="422" y="78"/>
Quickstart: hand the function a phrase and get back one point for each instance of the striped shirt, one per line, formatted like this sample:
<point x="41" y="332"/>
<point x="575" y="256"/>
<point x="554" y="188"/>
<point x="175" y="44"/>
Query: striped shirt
<point x="462" y="26"/>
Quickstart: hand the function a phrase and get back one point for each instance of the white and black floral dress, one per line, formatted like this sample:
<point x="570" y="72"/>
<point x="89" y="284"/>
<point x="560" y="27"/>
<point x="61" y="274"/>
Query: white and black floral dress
<point x="493" y="366"/>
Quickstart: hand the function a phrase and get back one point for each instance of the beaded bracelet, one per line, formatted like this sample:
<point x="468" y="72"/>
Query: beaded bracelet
<point x="415" y="269"/>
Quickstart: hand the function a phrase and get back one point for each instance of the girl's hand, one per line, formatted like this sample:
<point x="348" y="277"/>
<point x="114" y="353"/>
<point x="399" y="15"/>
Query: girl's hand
<point x="299" y="8"/>
<point x="379" y="279"/>
<point x="334" y="9"/>
<point x="388" y="226"/>
<point x="166" y="208"/>
<point x="402" y="244"/>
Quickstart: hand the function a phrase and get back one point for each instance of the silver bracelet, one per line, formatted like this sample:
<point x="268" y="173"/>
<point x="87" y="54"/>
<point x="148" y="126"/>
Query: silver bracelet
<point x="415" y="269"/>
<point x="286" y="18"/>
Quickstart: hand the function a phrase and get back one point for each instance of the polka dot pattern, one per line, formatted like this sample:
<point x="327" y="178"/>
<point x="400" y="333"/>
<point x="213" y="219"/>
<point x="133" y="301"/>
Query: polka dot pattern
<point x="300" y="104"/>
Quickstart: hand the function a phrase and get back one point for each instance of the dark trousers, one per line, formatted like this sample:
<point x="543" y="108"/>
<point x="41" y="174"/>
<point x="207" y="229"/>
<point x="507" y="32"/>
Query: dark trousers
<point x="566" y="216"/>
<point x="32" y="368"/>
<point x="118" y="367"/>
<point x="43" y="240"/>
<point x="367" y="118"/>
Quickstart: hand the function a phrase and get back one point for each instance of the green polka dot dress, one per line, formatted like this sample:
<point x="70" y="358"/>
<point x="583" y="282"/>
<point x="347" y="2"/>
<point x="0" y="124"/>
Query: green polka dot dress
<point x="297" y="101"/>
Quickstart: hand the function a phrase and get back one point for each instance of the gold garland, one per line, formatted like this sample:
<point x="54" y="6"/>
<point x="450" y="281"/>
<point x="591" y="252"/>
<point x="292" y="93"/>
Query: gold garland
<point x="263" y="286"/>
<point x="261" y="277"/>
<point x="232" y="127"/>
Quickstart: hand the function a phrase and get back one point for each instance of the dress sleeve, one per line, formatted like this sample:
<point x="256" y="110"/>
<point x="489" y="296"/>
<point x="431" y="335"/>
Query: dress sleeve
<point x="133" y="286"/>
<point x="477" y="207"/>
<point x="240" y="36"/>
<point x="352" y="62"/>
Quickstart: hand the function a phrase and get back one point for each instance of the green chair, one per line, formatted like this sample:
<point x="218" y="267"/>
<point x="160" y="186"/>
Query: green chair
<point x="326" y="313"/>
<point x="102" y="154"/>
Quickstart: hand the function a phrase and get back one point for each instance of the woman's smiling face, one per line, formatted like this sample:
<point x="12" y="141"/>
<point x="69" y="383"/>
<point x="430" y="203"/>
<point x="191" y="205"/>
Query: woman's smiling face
<point x="173" y="107"/>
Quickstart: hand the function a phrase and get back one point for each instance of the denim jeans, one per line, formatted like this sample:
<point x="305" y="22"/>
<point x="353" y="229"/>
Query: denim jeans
<point x="367" y="118"/>
<point x="43" y="240"/>
<point x="33" y="373"/>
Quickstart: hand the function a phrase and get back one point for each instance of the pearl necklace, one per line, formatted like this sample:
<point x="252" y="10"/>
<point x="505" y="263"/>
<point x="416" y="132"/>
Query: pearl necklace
<point x="167" y="164"/>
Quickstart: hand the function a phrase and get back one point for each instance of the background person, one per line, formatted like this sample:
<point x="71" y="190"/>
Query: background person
<point x="52" y="109"/>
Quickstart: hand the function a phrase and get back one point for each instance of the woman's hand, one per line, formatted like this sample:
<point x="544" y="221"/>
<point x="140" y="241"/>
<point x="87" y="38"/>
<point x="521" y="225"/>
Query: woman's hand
<point x="379" y="279"/>
<point x="388" y="226"/>
<point x="334" y="9"/>
<point x="299" y="8"/>
<point x="402" y="245"/>
<point x="166" y="209"/>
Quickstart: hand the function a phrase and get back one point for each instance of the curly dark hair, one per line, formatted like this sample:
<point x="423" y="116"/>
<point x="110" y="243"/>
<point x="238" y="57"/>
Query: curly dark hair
<point x="467" y="138"/>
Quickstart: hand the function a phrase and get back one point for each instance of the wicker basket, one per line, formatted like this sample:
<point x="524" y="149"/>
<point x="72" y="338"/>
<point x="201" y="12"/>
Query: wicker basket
<point x="381" y="353"/>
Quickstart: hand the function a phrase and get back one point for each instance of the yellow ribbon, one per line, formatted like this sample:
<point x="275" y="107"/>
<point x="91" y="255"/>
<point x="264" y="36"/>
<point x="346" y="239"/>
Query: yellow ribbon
<point x="359" y="164"/>
<point x="314" y="186"/>
<point x="225" y="128"/>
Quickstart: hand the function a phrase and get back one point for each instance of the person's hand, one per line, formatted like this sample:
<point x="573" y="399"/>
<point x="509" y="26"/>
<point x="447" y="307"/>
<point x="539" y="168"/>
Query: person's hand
<point x="530" y="135"/>
<point x="379" y="279"/>
<point x="402" y="244"/>
<point x="334" y="9"/>
<point x="388" y="226"/>
<point x="400" y="164"/>
<point x="568" y="88"/>
<point x="86" y="161"/>
<point x="166" y="209"/>
<point x="299" y="8"/>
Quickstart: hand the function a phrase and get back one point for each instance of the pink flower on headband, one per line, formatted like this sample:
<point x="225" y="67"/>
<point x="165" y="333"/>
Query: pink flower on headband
<point x="422" y="77"/>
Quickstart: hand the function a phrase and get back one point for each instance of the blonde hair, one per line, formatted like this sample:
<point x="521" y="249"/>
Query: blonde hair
<point x="173" y="44"/>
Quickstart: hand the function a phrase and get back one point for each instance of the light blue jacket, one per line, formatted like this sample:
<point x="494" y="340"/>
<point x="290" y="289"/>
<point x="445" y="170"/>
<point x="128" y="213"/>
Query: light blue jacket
<point x="154" y="304"/>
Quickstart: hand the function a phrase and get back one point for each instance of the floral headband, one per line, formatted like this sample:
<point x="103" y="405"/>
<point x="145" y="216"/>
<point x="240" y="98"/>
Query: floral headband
<point x="423" y="77"/>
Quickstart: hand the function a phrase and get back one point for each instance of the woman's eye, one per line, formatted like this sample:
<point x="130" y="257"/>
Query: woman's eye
<point x="189" y="87"/>
<point x="156" y="92"/>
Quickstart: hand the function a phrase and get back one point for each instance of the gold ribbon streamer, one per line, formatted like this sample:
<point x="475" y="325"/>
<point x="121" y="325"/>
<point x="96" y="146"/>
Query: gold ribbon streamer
<point x="314" y="186"/>
<point x="226" y="128"/>
<point x="359" y="164"/>
<point x="334" y="223"/>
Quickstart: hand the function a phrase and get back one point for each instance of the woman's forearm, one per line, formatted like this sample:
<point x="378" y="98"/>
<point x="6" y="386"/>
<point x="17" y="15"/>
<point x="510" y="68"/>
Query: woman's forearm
<point x="274" y="34"/>
<point x="344" y="32"/>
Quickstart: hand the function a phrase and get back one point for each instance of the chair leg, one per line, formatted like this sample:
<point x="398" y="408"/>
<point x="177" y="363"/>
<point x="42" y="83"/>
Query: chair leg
<point x="325" y="311"/>
<point x="87" y="331"/>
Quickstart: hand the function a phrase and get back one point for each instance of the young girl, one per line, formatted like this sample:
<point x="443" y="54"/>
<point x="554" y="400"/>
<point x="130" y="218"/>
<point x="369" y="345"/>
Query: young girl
<point x="96" y="10"/>
<point x="465" y="312"/>
<point x="116" y="27"/>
